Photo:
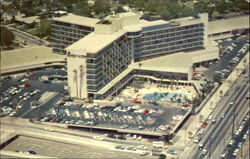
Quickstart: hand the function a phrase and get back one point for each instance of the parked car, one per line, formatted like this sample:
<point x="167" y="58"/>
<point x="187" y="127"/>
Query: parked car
<point x="173" y="152"/>
<point x="27" y="84"/>
<point x="203" y="125"/>
<point x="137" y="101"/>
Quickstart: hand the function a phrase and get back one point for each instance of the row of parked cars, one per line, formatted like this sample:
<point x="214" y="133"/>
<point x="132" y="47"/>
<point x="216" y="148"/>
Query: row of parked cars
<point x="75" y="113"/>
<point x="6" y="95"/>
<point x="118" y="108"/>
<point x="7" y="108"/>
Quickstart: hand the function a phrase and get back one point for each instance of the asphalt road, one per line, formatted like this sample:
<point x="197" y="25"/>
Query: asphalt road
<point x="29" y="41"/>
<point x="213" y="133"/>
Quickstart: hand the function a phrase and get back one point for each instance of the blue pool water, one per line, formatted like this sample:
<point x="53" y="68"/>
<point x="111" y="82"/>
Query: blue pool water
<point x="163" y="96"/>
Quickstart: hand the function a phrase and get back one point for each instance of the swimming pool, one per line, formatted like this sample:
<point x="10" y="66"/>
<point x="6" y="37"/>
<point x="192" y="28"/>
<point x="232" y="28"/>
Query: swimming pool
<point x="164" y="96"/>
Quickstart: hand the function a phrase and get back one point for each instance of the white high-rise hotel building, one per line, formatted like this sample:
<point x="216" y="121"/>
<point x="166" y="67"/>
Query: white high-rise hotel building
<point x="123" y="46"/>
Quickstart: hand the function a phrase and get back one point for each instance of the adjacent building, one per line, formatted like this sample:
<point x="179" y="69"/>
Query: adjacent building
<point x="123" y="46"/>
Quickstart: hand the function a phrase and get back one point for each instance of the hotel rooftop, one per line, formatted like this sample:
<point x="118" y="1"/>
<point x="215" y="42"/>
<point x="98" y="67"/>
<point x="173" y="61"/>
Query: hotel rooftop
<point x="76" y="19"/>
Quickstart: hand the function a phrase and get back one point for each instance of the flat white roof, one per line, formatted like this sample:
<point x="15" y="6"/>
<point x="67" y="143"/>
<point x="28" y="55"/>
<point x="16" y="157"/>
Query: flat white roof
<point x="28" y="56"/>
<point x="93" y="43"/>
<point x="178" y="62"/>
<point x="224" y="25"/>
<point x="76" y="19"/>
<point x="144" y="23"/>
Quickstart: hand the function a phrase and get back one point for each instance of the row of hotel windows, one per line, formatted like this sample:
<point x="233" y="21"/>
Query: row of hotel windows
<point x="69" y="39"/>
<point x="63" y="42"/>
<point x="173" y="37"/>
<point x="60" y="33"/>
<point x="105" y="78"/>
<point x="167" y="30"/>
<point x="156" y="27"/>
<point x="66" y="30"/>
<point x="115" y="87"/>
<point x="139" y="53"/>
<point x="73" y="25"/>
<point x="122" y="39"/>
<point x="162" y="35"/>
<point x="178" y="40"/>
<point x="154" y="44"/>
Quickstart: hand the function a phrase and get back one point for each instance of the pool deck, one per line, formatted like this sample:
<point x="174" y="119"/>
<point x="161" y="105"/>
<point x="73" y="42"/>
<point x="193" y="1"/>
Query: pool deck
<point x="150" y="88"/>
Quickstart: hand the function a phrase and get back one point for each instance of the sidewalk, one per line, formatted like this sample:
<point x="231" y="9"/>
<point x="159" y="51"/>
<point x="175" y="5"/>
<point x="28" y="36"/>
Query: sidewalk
<point x="208" y="108"/>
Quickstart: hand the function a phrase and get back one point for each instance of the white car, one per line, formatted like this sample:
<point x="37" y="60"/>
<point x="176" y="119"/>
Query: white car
<point x="142" y="147"/>
<point x="98" y="138"/>
<point x="196" y="139"/>
<point x="210" y="117"/>
<point x="48" y="129"/>
<point x="204" y="152"/>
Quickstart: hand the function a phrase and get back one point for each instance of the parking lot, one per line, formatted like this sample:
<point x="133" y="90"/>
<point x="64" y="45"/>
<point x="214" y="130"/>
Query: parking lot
<point x="20" y="93"/>
<point x="233" y="50"/>
<point x="65" y="150"/>
<point x="121" y="116"/>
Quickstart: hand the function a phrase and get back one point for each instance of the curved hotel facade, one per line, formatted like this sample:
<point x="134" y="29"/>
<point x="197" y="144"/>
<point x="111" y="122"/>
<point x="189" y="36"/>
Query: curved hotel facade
<point x="123" y="46"/>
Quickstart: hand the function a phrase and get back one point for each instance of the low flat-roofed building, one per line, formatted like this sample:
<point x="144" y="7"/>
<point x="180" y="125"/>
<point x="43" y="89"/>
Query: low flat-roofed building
<point x="20" y="59"/>
<point x="175" y="66"/>
<point x="227" y="26"/>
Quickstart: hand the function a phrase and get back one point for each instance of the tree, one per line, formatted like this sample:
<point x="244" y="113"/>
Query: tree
<point x="7" y="36"/>
<point x="162" y="156"/>
<point x="218" y="78"/>
<point x="139" y="4"/>
<point x="244" y="62"/>
<point x="82" y="8"/>
<point x="119" y="10"/>
<point x="197" y="101"/>
<point x="200" y="7"/>
<point x="221" y="6"/>
<point x="221" y="92"/>
<point x="43" y="28"/>
<point x="179" y="100"/>
<point x="201" y="117"/>
<point x="100" y="8"/>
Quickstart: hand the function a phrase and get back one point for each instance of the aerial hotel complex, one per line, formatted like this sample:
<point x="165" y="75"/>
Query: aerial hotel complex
<point x="123" y="46"/>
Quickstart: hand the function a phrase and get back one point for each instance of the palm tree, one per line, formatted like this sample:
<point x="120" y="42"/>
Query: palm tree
<point x="81" y="76"/>
<point x="75" y="72"/>
<point x="221" y="92"/>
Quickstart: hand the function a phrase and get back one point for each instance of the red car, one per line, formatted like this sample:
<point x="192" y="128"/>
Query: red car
<point x="203" y="125"/>
<point x="33" y="73"/>
<point x="173" y="134"/>
<point x="53" y="120"/>
<point x="27" y="85"/>
<point x="146" y="111"/>
<point x="138" y="101"/>
<point x="186" y="105"/>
